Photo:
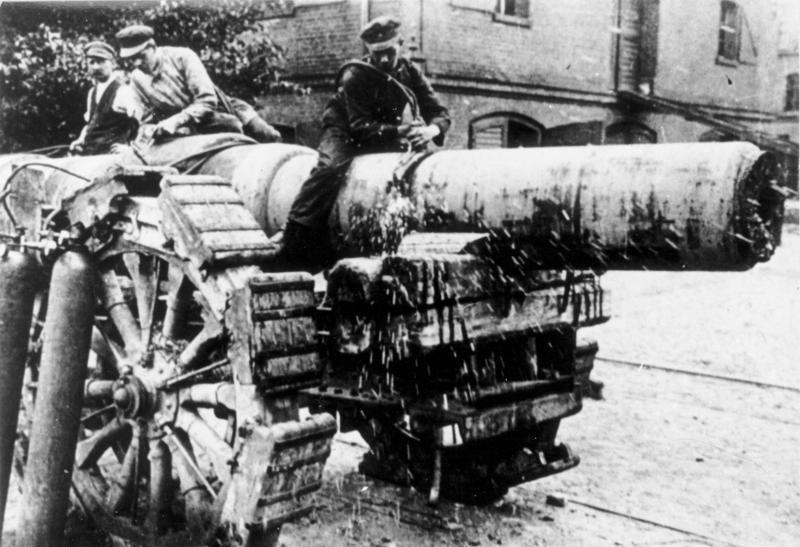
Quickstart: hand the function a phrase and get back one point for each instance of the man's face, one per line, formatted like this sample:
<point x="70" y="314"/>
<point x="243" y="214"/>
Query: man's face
<point x="99" y="68"/>
<point x="145" y="60"/>
<point x="386" y="59"/>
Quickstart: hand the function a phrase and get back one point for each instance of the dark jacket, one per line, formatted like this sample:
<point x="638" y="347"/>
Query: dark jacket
<point x="370" y="107"/>
<point x="106" y="126"/>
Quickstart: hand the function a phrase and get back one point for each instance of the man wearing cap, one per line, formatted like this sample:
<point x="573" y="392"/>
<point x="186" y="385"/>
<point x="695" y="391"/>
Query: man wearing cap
<point x="365" y="115"/>
<point x="177" y="93"/>
<point x="111" y="112"/>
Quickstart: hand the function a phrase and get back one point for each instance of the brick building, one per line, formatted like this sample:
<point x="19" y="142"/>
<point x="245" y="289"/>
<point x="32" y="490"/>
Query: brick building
<point x="538" y="73"/>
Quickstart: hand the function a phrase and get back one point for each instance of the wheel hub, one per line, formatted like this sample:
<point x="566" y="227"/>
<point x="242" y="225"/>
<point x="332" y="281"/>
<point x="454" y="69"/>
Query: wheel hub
<point x="133" y="398"/>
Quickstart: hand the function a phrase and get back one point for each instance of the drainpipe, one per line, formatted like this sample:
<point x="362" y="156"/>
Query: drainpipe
<point x="364" y="13"/>
<point x="617" y="45"/>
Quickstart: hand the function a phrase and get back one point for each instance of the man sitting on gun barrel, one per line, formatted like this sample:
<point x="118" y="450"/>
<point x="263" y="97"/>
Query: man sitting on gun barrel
<point x="178" y="95"/>
<point x="365" y="115"/>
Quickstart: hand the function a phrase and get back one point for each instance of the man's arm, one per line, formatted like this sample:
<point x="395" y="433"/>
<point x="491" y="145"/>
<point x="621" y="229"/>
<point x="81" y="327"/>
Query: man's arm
<point x="127" y="102"/>
<point x="77" y="144"/>
<point x="142" y="103"/>
<point x="432" y="111"/>
<point x="192" y="74"/>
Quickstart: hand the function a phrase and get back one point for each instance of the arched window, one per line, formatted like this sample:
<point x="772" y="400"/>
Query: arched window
<point x="505" y="130"/>
<point x="629" y="132"/>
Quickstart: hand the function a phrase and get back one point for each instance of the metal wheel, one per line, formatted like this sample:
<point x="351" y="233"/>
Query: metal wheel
<point x="189" y="428"/>
<point x="159" y="423"/>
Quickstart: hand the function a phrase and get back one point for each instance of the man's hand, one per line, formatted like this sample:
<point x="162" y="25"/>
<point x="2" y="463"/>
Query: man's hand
<point x="120" y="148"/>
<point x="404" y="129"/>
<point x="420" y="136"/>
<point x="165" y="128"/>
<point x="76" y="146"/>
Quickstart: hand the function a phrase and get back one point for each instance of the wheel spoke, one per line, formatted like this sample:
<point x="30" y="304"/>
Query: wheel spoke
<point x="120" y="313"/>
<point x="203" y="436"/>
<point x="109" y="354"/>
<point x="90" y="450"/>
<point x="198" y="495"/>
<point x="200" y="346"/>
<point x="124" y="491"/>
<point x="179" y="303"/>
<point x="144" y="271"/>
<point x="160" y="492"/>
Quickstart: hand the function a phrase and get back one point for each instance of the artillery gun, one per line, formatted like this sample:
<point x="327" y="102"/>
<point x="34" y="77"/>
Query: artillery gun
<point x="168" y="360"/>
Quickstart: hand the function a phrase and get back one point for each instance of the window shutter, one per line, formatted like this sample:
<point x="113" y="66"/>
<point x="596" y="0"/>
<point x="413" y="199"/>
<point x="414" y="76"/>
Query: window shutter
<point x="488" y="137"/>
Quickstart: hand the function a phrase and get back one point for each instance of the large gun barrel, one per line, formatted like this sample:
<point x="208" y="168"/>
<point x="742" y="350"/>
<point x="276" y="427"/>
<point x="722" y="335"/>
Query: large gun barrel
<point x="699" y="206"/>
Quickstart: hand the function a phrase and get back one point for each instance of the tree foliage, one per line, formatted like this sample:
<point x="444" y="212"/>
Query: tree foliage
<point x="43" y="84"/>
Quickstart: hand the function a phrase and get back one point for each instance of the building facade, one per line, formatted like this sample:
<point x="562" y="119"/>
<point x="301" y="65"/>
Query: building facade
<point x="571" y="72"/>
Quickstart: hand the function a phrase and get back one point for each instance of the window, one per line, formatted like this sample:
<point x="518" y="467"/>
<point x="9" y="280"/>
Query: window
<point x="505" y="130"/>
<point x="512" y="8"/>
<point x="629" y="132"/>
<point x="730" y="28"/>
<point x="575" y="134"/>
<point x="791" y="92"/>
<point x="715" y="135"/>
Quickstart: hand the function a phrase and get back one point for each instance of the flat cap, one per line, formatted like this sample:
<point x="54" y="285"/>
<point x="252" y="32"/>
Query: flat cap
<point x="133" y="39"/>
<point x="380" y="32"/>
<point x="100" y="50"/>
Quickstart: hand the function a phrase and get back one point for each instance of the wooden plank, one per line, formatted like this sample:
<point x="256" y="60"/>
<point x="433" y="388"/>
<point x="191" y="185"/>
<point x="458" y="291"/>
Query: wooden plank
<point x="210" y="193"/>
<point x="284" y="334"/>
<point x="219" y="217"/>
<point x="232" y="240"/>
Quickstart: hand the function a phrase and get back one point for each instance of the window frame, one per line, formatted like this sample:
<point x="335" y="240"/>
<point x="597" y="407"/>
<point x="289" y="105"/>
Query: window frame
<point x="724" y="56"/>
<point x="500" y="14"/>
<point x="790" y="103"/>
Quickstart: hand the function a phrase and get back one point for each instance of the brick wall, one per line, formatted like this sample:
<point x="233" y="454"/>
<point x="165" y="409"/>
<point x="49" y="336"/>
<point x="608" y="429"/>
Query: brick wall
<point x="462" y="39"/>
<point x="688" y="68"/>
<point x="565" y="49"/>
<point x="318" y="36"/>
<point x="568" y="45"/>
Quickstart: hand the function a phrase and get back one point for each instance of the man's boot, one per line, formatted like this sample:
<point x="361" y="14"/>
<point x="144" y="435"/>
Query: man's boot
<point x="305" y="247"/>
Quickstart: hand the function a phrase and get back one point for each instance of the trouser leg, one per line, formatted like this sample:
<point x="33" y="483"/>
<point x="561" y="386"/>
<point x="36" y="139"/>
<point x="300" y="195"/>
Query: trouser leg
<point x="261" y="131"/>
<point x="219" y="122"/>
<point x="306" y="237"/>
<point x="313" y="204"/>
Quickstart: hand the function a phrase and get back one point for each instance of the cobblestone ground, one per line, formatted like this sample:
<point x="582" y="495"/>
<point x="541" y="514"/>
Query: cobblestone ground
<point x="667" y="458"/>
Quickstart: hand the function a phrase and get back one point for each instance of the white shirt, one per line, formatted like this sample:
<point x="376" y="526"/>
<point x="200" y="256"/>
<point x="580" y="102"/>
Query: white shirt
<point x="124" y="102"/>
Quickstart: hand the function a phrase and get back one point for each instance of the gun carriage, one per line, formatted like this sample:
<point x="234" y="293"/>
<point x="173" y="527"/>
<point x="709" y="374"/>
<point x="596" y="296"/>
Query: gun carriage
<point x="165" y="357"/>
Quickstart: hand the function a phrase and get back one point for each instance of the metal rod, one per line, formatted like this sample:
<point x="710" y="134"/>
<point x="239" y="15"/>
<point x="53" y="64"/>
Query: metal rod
<point x="175" y="380"/>
<point x="189" y="460"/>
<point x="723" y="377"/>
<point x="56" y="417"/>
<point x="17" y="294"/>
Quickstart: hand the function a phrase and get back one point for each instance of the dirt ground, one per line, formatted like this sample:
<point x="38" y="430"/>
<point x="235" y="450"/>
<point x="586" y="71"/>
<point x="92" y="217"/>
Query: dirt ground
<point x="668" y="458"/>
